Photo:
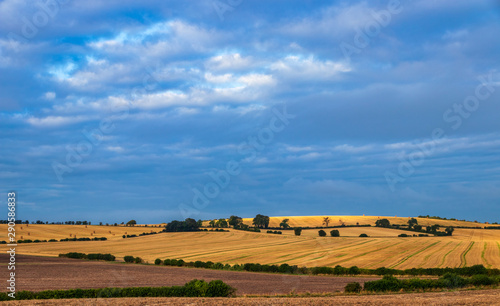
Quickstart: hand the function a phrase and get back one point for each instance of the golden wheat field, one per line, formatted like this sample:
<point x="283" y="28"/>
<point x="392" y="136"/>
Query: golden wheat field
<point x="381" y="249"/>
<point x="52" y="231"/>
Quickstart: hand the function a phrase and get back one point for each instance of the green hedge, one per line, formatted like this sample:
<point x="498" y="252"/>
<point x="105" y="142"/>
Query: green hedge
<point x="96" y="256"/>
<point x="449" y="280"/>
<point x="195" y="288"/>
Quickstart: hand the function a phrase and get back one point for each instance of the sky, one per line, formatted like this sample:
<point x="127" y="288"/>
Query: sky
<point x="160" y="110"/>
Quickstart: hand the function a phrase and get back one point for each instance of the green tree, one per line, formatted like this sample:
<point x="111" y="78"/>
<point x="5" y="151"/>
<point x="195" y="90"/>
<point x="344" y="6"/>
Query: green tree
<point x="212" y="223"/>
<point x="321" y="233"/>
<point x="284" y="223"/>
<point x="131" y="223"/>
<point x="326" y="221"/>
<point x="222" y="223"/>
<point x="261" y="221"/>
<point x="412" y="222"/>
<point x="335" y="233"/>
<point x="417" y="227"/>
<point x="449" y="230"/>
<point x="297" y="231"/>
<point x="235" y="221"/>
<point x="383" y="223"/>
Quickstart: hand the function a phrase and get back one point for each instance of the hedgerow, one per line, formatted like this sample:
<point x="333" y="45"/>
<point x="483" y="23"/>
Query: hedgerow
<point x="194" y="288"/>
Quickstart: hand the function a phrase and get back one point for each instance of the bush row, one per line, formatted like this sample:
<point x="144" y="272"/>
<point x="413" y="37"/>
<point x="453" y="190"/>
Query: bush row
<point x="96" y="256"/>
<point x="337" y="270"/>
<point x="274" y="232"/>
<point x="64" y="239"/>
<point x="195" y="288"/>
<point x="143" y="234"/>
<point x="248" y="229"/>
<point x="419" y="235"/>
<point x="133" y="259"/>
<point x="449" y="280"/>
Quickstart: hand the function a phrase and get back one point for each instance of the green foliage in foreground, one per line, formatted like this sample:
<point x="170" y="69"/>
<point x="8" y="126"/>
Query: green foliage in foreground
<point x="195" y="288"/>
<point x="447" y="281"/>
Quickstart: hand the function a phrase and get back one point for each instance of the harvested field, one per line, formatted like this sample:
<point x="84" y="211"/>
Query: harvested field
<point x="43" y="273"/>
<point x="382" y="249"/>
<point x="54" y="231"/>
<point x="315" y="221"/>
<point x="476" y="297"/>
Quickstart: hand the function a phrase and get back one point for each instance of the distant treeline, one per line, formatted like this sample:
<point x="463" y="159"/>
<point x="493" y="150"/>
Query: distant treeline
<point x="64" y="239"/>
<point x="95" y="256"/>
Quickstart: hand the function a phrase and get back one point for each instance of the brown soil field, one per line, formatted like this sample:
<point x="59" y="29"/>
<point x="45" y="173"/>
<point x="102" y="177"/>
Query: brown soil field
<point x="476" y="297"/>
<point x="44" y="273"/>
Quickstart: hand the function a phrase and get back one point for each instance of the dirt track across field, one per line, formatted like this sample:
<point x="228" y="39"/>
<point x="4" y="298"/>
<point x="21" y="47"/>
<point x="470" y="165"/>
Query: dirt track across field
<point x="477" y="297"/>
<point x="44" y="273"/>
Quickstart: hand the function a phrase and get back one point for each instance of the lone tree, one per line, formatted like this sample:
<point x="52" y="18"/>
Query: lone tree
<point x="335" y="233"/>
<point x="326" y="221"/>
<point x="297" y="231"/>
<point x="321" y="233"/>
<point x="131" y="223"/>
<point x="261" y="221"/>
<point x="284" y="223"/>
<point x="449" y="230"/>
<point x="412" y="222"/>
<point x="235" y="221"/>
<point x="383" y="223"/>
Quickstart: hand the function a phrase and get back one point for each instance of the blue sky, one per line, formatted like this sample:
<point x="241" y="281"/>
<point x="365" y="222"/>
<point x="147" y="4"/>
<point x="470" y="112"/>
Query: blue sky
<point x="161" y="110"/>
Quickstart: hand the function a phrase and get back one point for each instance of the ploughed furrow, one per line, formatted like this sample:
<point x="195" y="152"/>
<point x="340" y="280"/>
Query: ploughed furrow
<point x="434" y="254"/>
<point x="446" y="255"/>
<point x="411" y="255"/>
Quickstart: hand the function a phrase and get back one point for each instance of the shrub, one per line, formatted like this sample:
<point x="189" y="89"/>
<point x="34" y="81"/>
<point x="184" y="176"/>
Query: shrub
<point x="335" y="233"/>
<point x="354" y="270"/>
<point x="199" y="264"/>
<point x="158" y="261"/>
<point x="387" y="283"/>
<point x="353" y="288"/>
<point x="363" y="235"/>
<point x="138" y="260"/>
<point x="402" y="235"/>
<point x="297" y="231"/>
<point x="218" y="266"/>
<point x="481" y="280"/>
<point x="219" y="288"/>
<point x="451" y="280"/>
<point x="129" y="258"/>
<point x="166" y="262"/>
<point x="321" y="233"/>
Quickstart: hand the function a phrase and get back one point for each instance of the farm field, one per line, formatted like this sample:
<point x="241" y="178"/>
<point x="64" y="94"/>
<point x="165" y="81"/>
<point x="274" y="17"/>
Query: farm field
<point x="476" y="297"/>
<point x="54" y="231"/>
<point x="317" y="221"/>
<point x="466" y="247"/>
<point x="43" y="273"/>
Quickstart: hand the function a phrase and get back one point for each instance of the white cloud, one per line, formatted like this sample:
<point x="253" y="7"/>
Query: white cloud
<point x="295" y="66"/>
<point x="50" y="95"/>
